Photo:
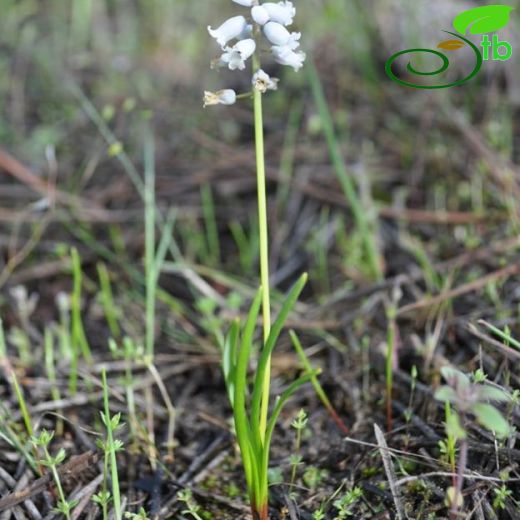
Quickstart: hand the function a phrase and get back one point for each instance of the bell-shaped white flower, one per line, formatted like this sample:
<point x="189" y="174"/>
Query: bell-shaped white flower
<point x="246" y="3"/>
<point x="286" y="56"/>
<point x="236" y="56"/>
<point x="221" y="97"/>
<point x="277" y="34"/>
<point x="230" y="29"/>
<point x="263" y="82"/>
<point x="260" y="14"/>
<point x="282" y="12"/>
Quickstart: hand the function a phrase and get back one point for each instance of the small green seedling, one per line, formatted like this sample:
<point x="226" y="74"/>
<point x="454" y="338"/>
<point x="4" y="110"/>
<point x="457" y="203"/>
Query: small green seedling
<point x="474" y="398"/>
<point x="313" y="477"/>
<point x="110" y="447"/>
<point x="501" y="495"/>
<point x="345" y="503"/>
<point x="192" y="508"/>
<point x="43" y="441"/>
<point x="140" y="515"/>
<point x="296" y="459"/>
<point x="468" y="398"/>
<point x="319" y="514"/>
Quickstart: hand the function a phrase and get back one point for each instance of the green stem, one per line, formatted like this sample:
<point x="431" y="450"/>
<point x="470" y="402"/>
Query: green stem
<point x="57" y="481"/>
<point x="264" y="251"/>
<point x="111" y="447"/>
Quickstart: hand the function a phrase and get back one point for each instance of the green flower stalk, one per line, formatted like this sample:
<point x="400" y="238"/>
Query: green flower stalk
<point x="263" y="234"/>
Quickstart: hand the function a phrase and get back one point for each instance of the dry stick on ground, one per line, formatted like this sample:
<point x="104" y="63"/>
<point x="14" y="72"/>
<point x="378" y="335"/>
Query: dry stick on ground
<point x="462" y="289"/>
<point x="12" y="484"/>
<point x="71" y="469"/>
<point x="84" y="496"/>
<point x="390" y="473"/>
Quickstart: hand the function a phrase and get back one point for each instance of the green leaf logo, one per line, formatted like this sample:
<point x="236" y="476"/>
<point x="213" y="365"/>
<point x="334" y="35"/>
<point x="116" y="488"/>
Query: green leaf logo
<point x="484" y="19"/>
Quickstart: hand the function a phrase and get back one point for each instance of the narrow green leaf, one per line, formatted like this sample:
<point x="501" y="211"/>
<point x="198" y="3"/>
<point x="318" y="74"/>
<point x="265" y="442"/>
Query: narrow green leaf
<point x="316" y="384"/>
<point x="164" y="244"/>
<point x="287" y="306"/>
<point x="308" y="367"/>
<point x="242" y="426"/>
<point x="508" y="339"/>
<point x="229" y="359"/>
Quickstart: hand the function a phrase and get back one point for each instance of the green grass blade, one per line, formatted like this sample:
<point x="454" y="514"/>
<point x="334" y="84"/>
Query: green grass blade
<point x="344" y="178"/>
<point x="112" y="447"/>
<point x="107" y="300"/>
<point x="78" y="332"/>
<point x="13" y="438"/>
<point x="23" y="406"/>
<point x="210" y="224"/>
<point x="507" y="338"/>
<point x="315" y="383"/>
<point x="149" y="254"/>
<point x="165" y="242"/>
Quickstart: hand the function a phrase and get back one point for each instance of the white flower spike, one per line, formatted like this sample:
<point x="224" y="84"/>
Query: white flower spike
<point x="268" y="18"/>
<point x="221" y="97"/>
<point x="263" y="82"/>
<point x="235" y="57"/>
<point x="229" y="30"/>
